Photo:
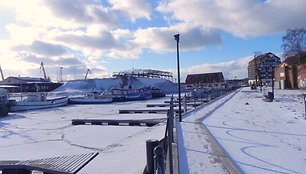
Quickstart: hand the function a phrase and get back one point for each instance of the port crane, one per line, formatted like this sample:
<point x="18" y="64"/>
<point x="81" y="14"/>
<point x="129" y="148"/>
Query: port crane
<point x="1" y="73"/>
<point x="88" y="71"/>
<point x="44" y="71"/>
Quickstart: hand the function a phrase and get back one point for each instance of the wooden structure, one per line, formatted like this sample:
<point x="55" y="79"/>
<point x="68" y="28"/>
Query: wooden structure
<point x="57" y="165"/>
<point x="115" y="122"/>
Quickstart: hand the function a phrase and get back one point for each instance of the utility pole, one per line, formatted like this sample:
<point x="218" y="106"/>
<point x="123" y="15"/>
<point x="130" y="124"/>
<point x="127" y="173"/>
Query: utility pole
<point x="177" y="38"/>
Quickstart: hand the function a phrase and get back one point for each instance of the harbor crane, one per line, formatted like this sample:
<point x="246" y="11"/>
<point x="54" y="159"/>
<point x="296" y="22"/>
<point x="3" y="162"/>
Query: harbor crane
<point x="44" y="71"/>
<point x="88" y="71"/>
<point x="1" y="73"/>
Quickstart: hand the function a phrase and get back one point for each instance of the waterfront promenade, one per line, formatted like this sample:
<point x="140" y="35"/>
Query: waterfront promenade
<point x="242" y="133"/>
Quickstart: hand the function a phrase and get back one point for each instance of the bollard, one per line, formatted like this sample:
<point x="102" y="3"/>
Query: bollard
<point x="159" y="160"/>
<point x="150" y="145"/>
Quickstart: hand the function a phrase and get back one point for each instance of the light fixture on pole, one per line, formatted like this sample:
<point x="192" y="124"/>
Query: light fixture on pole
<point x="177" y="38"/>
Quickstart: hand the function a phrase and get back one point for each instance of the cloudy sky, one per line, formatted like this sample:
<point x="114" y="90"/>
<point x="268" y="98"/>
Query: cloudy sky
<point x="113" y="35"/>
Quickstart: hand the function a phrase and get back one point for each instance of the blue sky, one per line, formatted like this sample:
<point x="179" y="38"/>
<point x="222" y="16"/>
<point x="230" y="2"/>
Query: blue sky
<point x="116" y="35"/>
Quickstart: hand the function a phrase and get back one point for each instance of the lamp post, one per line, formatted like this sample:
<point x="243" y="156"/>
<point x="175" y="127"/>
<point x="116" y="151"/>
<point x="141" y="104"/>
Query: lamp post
<point x="177" y="38"/>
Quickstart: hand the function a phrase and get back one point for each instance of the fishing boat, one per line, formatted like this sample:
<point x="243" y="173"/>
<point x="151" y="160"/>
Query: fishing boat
<point x="4" y="106"/>
<point x="36" y="101"/>
<point x="118" y="95"/>
<point x="138" y="94"/>
<point x="156" y="92"/>
<point x="92" y="98"/>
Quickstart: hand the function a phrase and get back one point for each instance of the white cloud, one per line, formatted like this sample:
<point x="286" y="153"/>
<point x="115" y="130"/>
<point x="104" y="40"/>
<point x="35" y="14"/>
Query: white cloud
<point x="230" y="69"/>
<point x="84" y="32"/>
<point x="239" y="17"/>
<point x="162" y="38"/>
<point x="134" y="9"/>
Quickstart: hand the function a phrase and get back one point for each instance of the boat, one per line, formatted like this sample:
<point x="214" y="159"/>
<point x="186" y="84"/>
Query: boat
<point x="156" y="92"/>
<point x="118" y="95"/>
<point x="92" y="98"/>
<point x="36" y="100"/>
<point x="138" y="94"/>
<point x="4" y="106"/>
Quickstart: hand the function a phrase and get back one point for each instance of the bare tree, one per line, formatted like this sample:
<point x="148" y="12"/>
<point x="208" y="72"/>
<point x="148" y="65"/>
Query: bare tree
<point x="294" y="42"/>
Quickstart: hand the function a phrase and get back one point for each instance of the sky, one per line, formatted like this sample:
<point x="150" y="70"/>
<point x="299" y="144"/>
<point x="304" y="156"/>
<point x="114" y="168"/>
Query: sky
<point x="115" y="35"/>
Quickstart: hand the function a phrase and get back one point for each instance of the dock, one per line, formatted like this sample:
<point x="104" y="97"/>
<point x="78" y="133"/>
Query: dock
<point x="175" y="105"/>
<point x="115" y="122"/>
<point x="146" y="111"/>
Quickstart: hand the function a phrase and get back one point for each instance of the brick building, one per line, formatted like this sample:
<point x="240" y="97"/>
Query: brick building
<point x="291" y="73"/>
<point x="205" y="79"/>
<point x="260" y="69"/>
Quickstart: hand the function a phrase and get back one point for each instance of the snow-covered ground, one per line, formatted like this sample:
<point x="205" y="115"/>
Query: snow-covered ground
<point x="49" y="133"/>
<point x="258" y="136"/>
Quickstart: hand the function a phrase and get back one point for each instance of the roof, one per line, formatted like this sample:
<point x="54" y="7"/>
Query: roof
<point x="30" y="79"/>
<point x="215" y="77"/>
<point x="294" y="60"/>
<point x="264" y="56"/>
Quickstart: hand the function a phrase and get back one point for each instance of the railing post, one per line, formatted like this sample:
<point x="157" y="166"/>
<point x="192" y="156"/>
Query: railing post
<point x="185" y="104"/>
<point x="159" y="160"/>
<point x="170" y="140"/>
<point x="150" y="145"/>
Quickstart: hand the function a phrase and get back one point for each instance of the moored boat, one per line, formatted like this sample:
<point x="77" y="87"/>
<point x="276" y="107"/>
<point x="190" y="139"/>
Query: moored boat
<point x="37" y="100"/>
<point x="138" y="94"/>
<point x="156" y="92"/>
<point x="92" y="98"/>
<point x="4" y="106"/>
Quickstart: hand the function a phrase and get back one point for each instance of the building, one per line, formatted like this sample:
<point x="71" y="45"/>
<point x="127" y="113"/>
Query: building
<point x="205" y="79"/>
<point x="291" y="73"/>
<point x="261" y="68"/>
<point x="28" y="84"/>
<point x="149" y="73"/>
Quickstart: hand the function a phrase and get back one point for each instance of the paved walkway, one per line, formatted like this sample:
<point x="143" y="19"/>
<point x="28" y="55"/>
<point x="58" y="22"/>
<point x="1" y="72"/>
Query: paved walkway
<point x="197" y="149"/>
<point x="256" y="136"/>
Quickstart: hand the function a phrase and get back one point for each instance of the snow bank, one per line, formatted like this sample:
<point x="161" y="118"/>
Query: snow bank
<point x="88" y="85"/>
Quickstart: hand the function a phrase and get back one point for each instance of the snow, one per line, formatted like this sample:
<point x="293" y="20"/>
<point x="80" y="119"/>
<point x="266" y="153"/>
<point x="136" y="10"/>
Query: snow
<point x="48" y="133"/>
<point x="258" y="136"/>
<point x="109" y="83"/>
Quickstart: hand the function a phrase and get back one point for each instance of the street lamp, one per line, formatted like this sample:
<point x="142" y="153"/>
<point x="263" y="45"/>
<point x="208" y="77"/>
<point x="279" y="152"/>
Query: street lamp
<point x="177" y="38"/>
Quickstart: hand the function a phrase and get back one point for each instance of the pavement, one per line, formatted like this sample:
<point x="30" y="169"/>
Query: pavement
<point x="198" y="151"/>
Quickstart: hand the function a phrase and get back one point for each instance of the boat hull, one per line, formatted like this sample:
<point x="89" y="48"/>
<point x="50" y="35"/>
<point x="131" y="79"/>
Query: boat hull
<point x="4" y="109"/>
<point x="90" y="101"/>
<point x="138" y="96"/>
<point x="25" y="106"/>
